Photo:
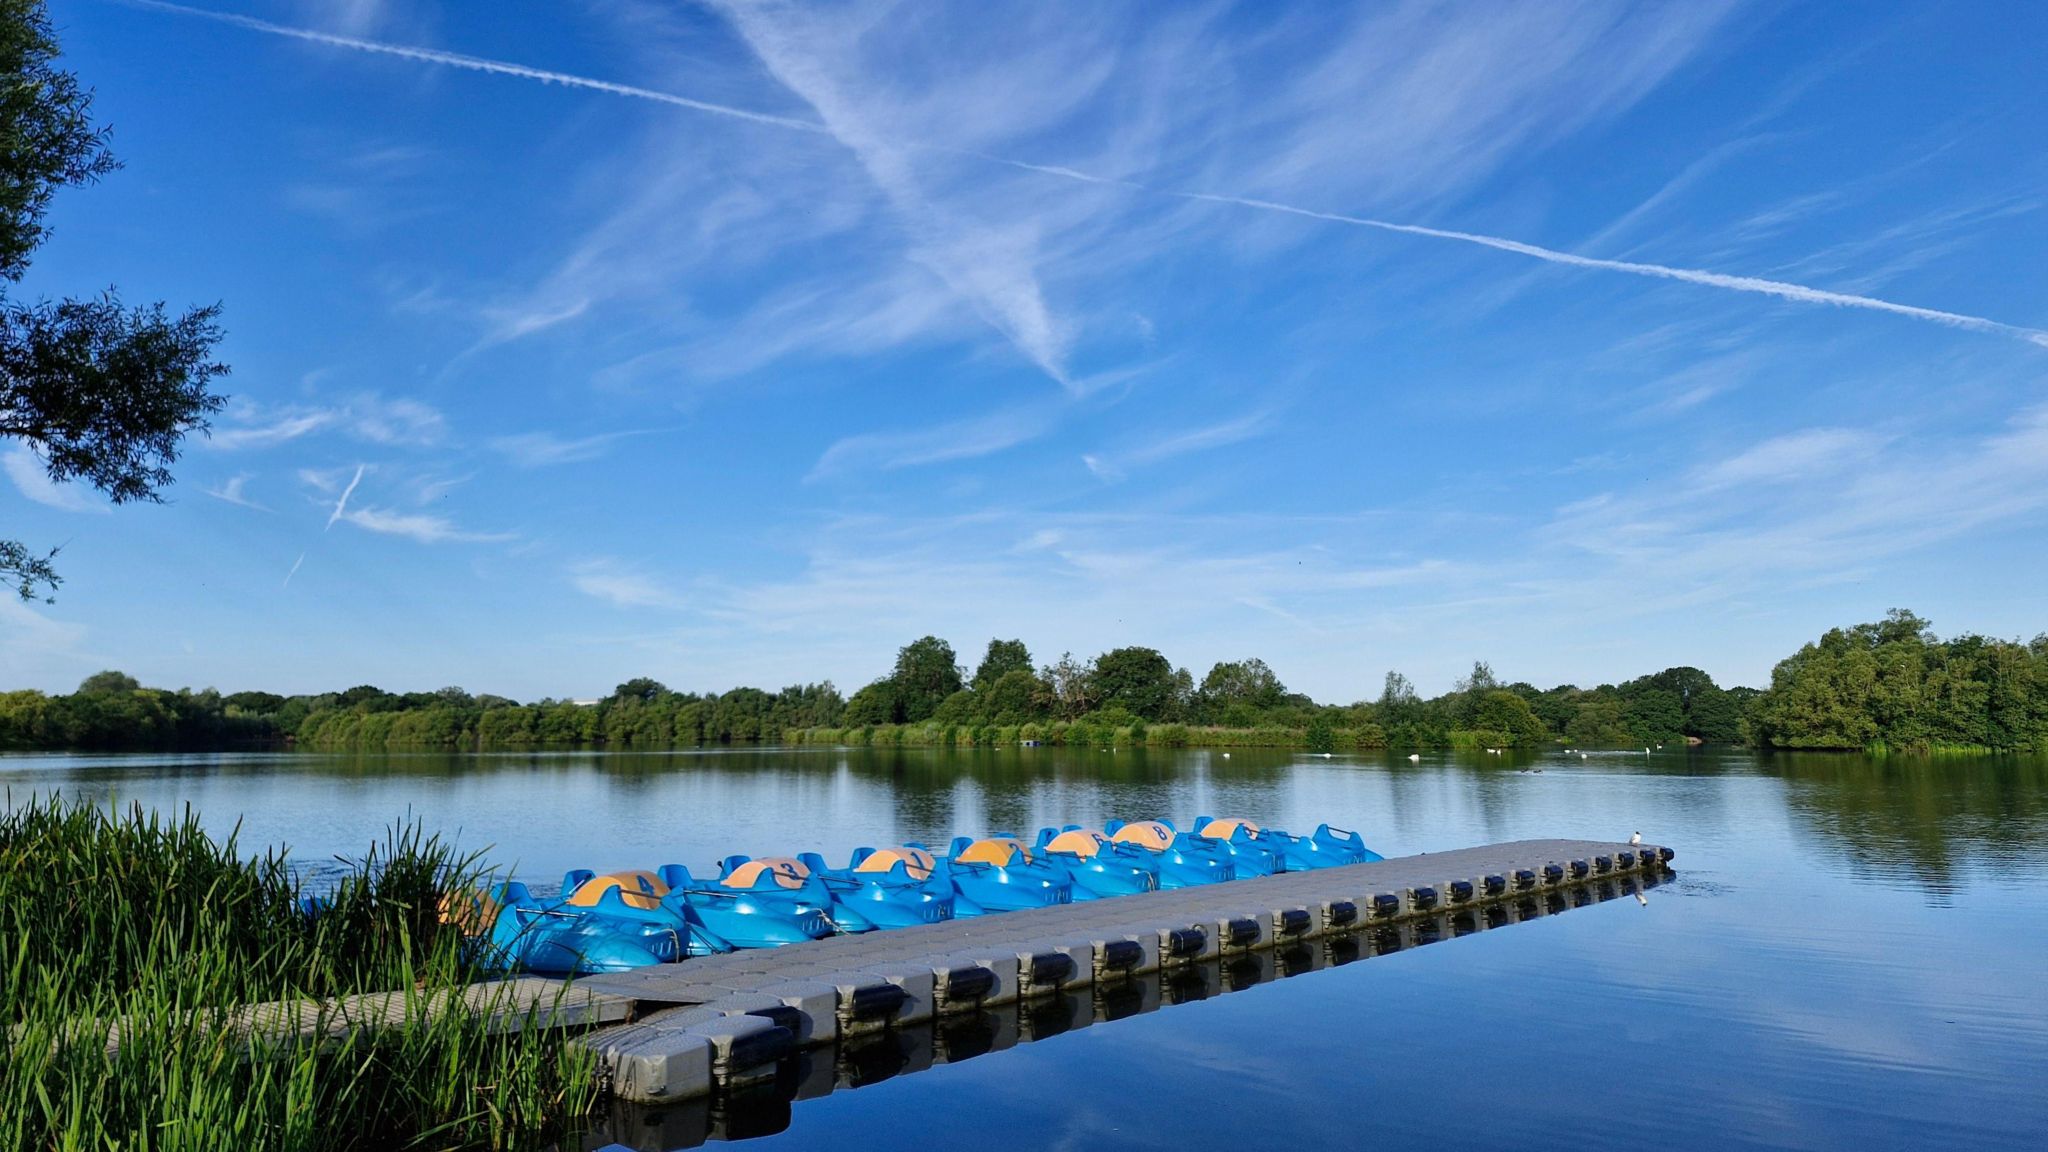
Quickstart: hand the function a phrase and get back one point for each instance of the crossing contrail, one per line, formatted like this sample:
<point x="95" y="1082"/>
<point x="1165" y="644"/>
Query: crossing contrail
<point x="1756" y="285"/>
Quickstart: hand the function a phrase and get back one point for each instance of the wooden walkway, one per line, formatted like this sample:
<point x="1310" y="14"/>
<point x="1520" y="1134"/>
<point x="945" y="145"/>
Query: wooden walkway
<point x="505" y="1005"/>
<point x="716" y="1019"/>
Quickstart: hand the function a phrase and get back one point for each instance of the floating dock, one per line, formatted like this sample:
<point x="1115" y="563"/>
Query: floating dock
<point x="721" y="1020"/>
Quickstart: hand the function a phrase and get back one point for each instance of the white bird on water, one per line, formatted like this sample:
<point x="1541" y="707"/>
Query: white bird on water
<point x="1226" y="755"/>
<point x="1414" y="757"/>
<point x="1635" y="839"/>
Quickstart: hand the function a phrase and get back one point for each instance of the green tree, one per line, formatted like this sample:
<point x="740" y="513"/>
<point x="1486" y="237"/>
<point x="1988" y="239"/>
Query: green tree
<point x="108" y="683"/>
<point x="1071" y="685"/>
<point x="925" y="675"/>
<point x="1247" y="683"/>
<point x="1507" y="713"/>
<point x="99" y="392"/>
<point x="878" y="703"/>
<point x="640" y="688"/>
<point x="257" y="703"/>
<point x="1138" y="680"/>
<point x="962" y="707"/>
<point x="1017" y="697"/>
<point x="1654" y="715"/>
<point x="1472" y="689"/>
<point x="1003" y="657"/>
<point x="1598" y="724"/>
<point x="1321" y="735"/>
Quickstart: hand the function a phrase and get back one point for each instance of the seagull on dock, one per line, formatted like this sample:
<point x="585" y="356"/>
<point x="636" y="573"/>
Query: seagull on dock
<point x="1634" y="839"/>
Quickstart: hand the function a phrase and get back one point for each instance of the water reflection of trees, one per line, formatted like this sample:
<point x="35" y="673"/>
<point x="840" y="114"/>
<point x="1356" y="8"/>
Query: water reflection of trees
<point x="1937" y="822"/>
<point x="1931" y="819"/>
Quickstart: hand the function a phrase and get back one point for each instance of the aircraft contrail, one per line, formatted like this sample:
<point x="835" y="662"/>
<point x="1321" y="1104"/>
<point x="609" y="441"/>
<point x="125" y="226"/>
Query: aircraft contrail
<point x="478" y="64"/>
<point x="1752" y="284"/>
<point x="341" y="505"/>
<point x="294" y="572"/>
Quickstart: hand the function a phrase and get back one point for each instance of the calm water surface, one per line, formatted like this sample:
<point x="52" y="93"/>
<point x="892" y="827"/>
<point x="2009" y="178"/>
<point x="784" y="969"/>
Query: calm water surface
<point x="1854" y="954"/>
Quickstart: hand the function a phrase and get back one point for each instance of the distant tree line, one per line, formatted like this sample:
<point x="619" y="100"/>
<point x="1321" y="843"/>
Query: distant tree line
<point x="1885" y="685"/>
<point x="1893" y="684"/>
<point x="1137" y="695"/>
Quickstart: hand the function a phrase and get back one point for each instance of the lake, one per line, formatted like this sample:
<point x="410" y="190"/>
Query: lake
<point x="1853" y="953"/>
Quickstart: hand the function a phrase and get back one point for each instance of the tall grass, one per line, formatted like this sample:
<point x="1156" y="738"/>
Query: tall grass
<point x="131" y="944"/>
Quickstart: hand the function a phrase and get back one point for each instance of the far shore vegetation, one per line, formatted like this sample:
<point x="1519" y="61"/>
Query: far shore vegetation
<point x="1890" y="685"/>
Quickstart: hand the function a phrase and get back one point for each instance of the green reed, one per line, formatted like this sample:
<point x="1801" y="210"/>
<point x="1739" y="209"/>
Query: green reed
<point x="130" y="944"/>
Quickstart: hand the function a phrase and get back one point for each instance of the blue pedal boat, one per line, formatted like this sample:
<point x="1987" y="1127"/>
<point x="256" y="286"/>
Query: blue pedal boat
<point x="1239" y="839"/>
<point x="639" y="895"/>
<point x="997" y="874"/>
<point x="1095" y="865"/>
<point x="550" y="939"/>
<point x="1326" y="847"/>
<point x="762" y="903"/>
<point x="886" y="888"/>
<point x="1184" y="861"/>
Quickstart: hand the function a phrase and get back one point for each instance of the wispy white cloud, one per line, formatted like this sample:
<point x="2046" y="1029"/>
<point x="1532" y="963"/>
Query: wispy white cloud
<point x="250" y="429"/>
<point x="363" y="189"/>
<point x="1406" y="101"/>
<point x="423" y="527"/>
<point x="954" y="440"/>
<point x="418" y="526"/>
<point x="435" y="488"/>
<point x="32" y="479"/>
<point x="1811" y="501"/>
<point x="1103" y="469"/>
<point x="541" y="449"/>
<point x="1673" y="189"/>
<point x="395" y="422"/>
<point x="354" y="17"/>
<point x="622" y="586"/>
<point x="1218" y="435"/>
<point x="233" y="491"/>
<point x="992" y="266"/>
<point x="1113" y="466"/>
<point x="369" y="417"/>
<point x="1795" y="456"/>
<point x="38" y="649"/>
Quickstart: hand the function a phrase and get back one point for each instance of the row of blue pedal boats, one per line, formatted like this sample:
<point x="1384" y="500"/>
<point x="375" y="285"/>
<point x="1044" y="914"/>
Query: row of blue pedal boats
<point x="632" y="919"/>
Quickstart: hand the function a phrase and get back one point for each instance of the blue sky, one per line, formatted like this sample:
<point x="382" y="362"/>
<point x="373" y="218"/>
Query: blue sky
<point x="743" y="343"/>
